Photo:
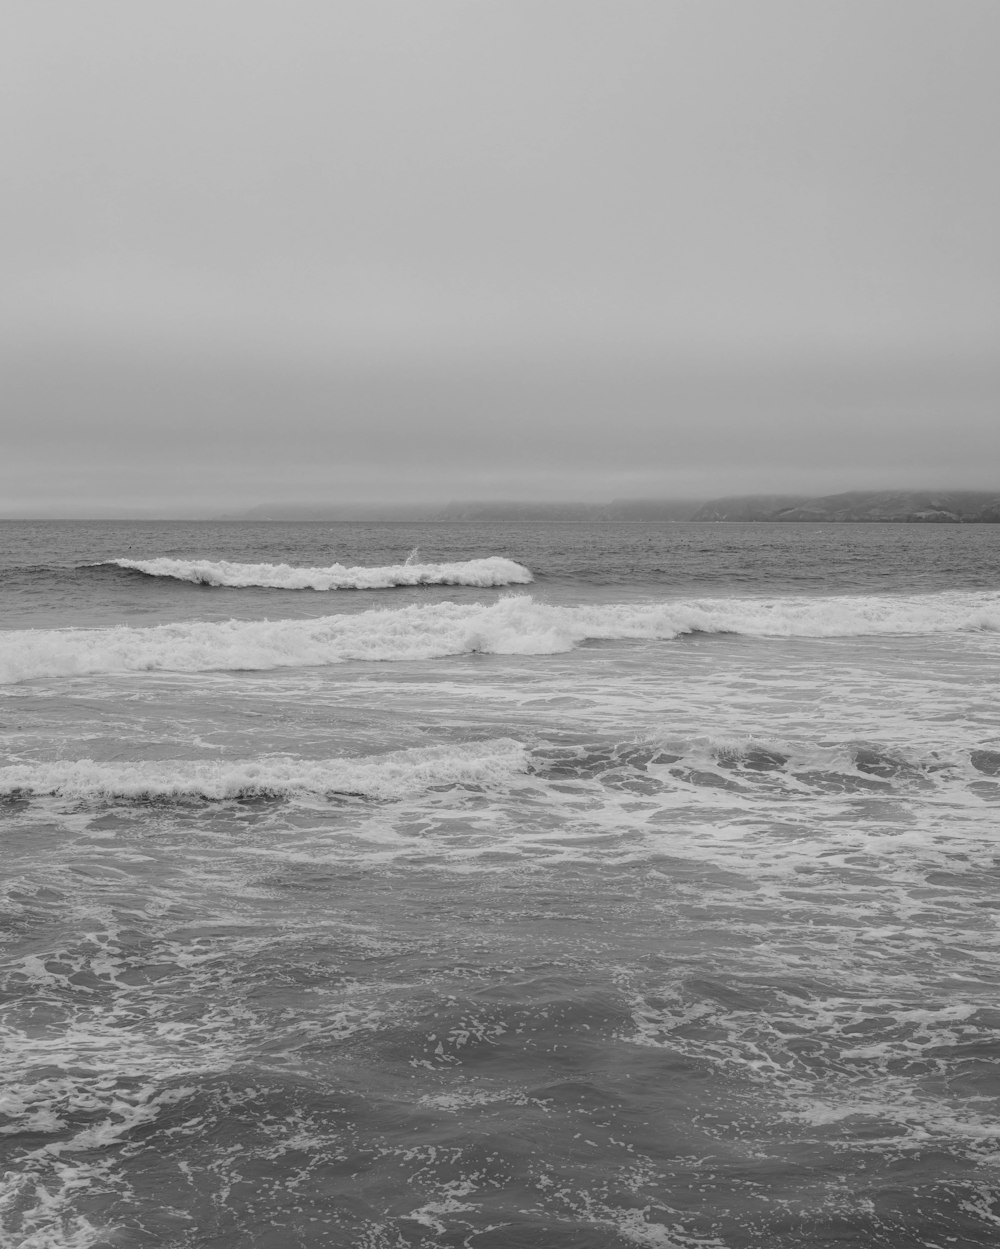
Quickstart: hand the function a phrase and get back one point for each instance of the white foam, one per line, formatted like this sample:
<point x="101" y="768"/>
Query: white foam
<point x="516" y="625"/>
<point x="394" y="775"/>
<point x="493" y="571"/>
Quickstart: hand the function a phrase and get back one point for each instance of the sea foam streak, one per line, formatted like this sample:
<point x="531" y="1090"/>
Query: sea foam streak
<point x="493" y="571"/>
<point x="396" y="774"/>
<point x="516" y="625"/>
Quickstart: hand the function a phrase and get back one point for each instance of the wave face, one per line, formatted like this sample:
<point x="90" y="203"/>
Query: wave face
<point x="483" y="573"/>
<point x="394" y="775"/>
<point x="516" y="625"/>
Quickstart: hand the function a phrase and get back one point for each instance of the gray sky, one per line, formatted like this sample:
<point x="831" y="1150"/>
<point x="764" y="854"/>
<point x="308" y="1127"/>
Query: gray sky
<point x="430" y="249"/>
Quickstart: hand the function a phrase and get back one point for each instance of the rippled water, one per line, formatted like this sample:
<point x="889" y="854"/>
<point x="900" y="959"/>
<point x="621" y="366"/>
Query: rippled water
<point x="660" y="910"/>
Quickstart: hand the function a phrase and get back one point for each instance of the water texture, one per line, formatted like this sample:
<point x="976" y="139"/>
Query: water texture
<point x="524" y="886"/>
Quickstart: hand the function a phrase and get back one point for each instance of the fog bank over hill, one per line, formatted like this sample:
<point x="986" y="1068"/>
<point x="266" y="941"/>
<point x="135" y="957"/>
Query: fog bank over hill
<point x="906" y="506"/>
<point x="955" y="506"/>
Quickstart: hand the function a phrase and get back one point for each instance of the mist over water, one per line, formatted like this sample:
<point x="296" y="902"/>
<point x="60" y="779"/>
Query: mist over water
<point x="621" y="885"/>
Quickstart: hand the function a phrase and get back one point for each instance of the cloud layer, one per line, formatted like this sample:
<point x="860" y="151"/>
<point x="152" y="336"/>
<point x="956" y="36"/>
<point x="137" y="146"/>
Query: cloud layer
<point x="436" y="249"/>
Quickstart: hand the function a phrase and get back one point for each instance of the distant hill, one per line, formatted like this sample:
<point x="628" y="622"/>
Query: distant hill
<point x="650" y="509"/>
<point x="907" y="506"/>
<point x="749" y="507"/>
<point x="911" y="506"/>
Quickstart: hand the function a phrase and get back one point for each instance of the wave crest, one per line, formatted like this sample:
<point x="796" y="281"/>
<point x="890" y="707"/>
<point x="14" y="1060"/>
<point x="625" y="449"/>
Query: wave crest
<point x="516" y="625"/>
<point x="492" y="571"/>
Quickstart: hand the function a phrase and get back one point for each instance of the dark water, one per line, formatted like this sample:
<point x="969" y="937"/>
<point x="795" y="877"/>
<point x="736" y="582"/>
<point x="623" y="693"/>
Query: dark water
<point x="651" y="903"/>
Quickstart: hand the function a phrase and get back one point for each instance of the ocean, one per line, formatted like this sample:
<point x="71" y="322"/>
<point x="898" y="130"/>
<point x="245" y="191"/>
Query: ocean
<point x="510" y="887"/>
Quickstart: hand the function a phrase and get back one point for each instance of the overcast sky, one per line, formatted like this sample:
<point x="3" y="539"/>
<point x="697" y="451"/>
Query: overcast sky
<point x="441" y="249"/>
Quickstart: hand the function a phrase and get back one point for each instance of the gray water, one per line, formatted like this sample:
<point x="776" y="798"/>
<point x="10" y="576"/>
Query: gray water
<point x="650" y="902"/>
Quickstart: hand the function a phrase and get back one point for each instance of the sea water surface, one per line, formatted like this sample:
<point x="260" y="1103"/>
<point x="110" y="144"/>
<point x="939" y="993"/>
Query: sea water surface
<point x="547" y="886"/>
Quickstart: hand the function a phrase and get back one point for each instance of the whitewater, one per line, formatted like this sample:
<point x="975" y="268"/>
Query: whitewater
<point x="517" y="625"/>
<point x="491" y="571"/>
<point x="394" y="774"/>
<point x="561" y="885"/>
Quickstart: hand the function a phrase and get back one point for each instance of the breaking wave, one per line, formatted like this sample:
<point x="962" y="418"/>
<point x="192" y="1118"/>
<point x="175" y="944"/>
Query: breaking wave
<point x="493" y="571"/>
<point x="516" y="625"/>
<point x="397" y="774"/>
